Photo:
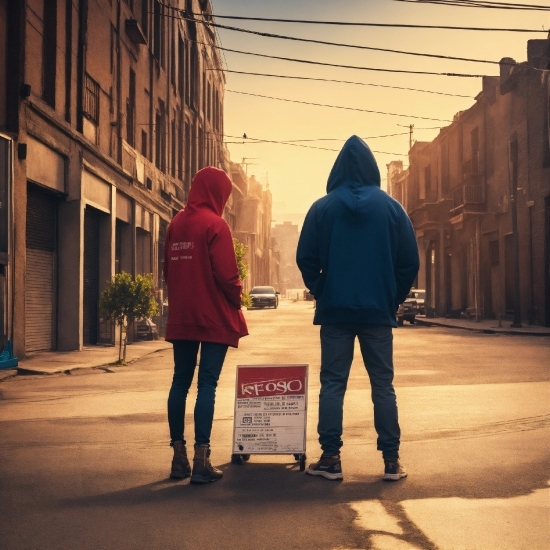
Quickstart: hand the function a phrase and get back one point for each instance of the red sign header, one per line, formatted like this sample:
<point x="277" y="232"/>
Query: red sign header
<point x="271" y="380"/>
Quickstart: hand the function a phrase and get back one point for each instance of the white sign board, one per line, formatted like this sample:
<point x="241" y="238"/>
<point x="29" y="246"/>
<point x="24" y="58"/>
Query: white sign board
<point x="270" y="409"/>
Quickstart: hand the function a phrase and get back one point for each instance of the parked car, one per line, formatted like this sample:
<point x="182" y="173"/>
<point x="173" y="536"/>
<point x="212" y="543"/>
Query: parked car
<point x="264" y="296"/>
<point x="420" y="297"/>
<point x="408" y="310"/>
<point x="147" y="330"/>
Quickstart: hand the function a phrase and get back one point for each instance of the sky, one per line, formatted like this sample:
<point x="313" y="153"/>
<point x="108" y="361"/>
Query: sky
<point x="297" y="175"/>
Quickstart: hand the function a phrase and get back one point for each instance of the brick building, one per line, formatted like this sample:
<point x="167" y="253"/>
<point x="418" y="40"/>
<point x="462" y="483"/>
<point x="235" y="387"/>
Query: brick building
<point x="107" y="109"/>
<point x="479" y="199"/>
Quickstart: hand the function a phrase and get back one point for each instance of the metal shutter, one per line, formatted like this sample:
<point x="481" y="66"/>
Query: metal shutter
<point x="91" y="275"/>
<point x="39" y="272"/>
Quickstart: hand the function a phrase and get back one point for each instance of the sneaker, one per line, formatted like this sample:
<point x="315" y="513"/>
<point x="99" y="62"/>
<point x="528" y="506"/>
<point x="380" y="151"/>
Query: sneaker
<point x="328" y="466"/>
<point x="393" y="471"/>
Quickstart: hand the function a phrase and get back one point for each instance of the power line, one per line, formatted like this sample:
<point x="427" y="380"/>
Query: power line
<point x="345" y="82"/>
<point x="339" y="44"/>
<point x="377" y="69"/>
<point x="260" y="141"/>
<point x="315" y="139"/>
<point x="481" y="4"/>
<point x="360" y="24"/>
<point x="337" y="106"/>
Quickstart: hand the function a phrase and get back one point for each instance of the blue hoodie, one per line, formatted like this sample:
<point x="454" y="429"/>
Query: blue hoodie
<point x="357" y="250"/>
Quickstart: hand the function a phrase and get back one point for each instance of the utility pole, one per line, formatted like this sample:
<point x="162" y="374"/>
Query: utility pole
<point x="410" y="127"/>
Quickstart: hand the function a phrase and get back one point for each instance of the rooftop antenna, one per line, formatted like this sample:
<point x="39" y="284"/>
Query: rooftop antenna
<point x="246" y="164"/>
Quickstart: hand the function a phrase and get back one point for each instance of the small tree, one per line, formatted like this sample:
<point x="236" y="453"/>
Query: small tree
<point x="125" y="299"/>
<point x="240" y="252"/>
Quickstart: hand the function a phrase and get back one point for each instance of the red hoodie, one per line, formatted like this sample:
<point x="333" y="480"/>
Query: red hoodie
<point x="200" y="268"/>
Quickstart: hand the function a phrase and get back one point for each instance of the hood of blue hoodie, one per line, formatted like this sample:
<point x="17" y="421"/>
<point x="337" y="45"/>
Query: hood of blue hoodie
<point x="354" y="175"/>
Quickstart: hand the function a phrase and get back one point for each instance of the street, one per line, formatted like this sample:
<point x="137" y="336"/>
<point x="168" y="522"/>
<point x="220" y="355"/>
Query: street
<point x="84" y="458"/>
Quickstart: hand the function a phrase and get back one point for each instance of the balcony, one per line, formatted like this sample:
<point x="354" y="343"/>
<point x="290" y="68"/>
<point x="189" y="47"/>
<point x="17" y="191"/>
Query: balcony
<point x="468" y="199"/>
<point x="469" y="196"/>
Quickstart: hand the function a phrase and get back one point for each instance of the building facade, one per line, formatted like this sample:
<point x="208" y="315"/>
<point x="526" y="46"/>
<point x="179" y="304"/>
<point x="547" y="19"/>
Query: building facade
<point x="107" y="109"/>
<point x="286" y="235"/>
<point x="479" y="199"/>
<point x="252" y="206"/>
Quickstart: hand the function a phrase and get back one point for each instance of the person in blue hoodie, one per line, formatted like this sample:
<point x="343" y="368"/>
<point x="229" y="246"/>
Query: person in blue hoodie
<point x="358" y="256"/>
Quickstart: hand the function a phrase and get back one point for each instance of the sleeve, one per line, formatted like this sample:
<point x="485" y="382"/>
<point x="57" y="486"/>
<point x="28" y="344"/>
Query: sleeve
<point x="307" y="253"/>
<point x="407" y="261"/>
<point x="224" y="264"/>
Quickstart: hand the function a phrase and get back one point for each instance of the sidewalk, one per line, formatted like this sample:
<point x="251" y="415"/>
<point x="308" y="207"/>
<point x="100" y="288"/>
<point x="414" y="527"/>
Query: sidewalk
<point x="55" y="362"/>
<point x="487" y="326"/>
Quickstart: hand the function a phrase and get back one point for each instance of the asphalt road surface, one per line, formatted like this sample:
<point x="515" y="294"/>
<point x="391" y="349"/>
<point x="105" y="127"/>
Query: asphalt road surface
<point x="84" y="458"/>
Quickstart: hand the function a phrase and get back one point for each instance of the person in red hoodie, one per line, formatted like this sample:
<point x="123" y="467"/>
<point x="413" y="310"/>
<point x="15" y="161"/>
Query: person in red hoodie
<point x="204" y="293"/>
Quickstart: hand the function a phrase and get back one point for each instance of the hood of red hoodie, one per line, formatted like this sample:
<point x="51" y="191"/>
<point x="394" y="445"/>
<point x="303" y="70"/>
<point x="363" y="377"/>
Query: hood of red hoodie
<point x="210" y="189"/>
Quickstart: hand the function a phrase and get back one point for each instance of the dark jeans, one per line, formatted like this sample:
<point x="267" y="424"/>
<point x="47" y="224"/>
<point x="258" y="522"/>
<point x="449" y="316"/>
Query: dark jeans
<point x="337" y="343"/>
<point x="210" y="366"/>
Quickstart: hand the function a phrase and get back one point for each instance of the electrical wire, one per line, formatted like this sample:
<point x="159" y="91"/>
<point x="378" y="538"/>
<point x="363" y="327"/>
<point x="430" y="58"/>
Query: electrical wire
<point x="257" y="142"/>
<point x="337" y="106"/>
<point x="360" y="24"/>
<point x="345" y="82"/>
<point x="481" y="4"/>
<point x="340" y="44"/>
<point x="315" y="139"/>
<point x="361" y="68"/>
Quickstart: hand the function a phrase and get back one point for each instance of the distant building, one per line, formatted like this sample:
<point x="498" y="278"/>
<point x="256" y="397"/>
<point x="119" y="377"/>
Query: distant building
<point x="107" y="110"/>
<point x="252" y="226"/>
<point x="286" y="235"/>
<point x="479" y="199"/>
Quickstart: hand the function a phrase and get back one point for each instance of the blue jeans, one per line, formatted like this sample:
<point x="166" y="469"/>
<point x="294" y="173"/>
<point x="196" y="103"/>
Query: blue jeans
<point x="210" y="366"/>
<point x="337" y="343"/>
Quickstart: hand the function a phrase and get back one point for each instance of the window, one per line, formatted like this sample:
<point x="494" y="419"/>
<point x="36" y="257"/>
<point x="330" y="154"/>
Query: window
<point x="445" y="168"/>
<point x="181" y="66"/>
<point x="145" y="16"/>
<point x="187" y="156"/>
<point x="474" y="140"/>
<point x="157" y="139"/>
<point x="131" y="109"/>
<point x="173" y="67"/>
<point x="91" y="99"/>
<point x="428" y="178"/>
<point x="157" y="32"/>
<point x="174" y="145"/>
<point x="160" y="138"/>
<point x="180" y="146"/>
<point x="49" y="45"/>
<point x="144" y="143"/>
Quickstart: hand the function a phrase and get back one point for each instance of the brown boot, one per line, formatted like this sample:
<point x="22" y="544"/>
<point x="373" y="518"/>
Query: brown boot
<point x="203" y="471"/>
<point x="180" y="464"/>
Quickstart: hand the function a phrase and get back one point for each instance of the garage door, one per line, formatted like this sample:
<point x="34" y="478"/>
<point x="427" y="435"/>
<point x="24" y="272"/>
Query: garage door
<point x="39" y="271"/>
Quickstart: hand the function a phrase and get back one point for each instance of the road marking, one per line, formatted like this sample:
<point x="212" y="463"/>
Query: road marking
<point x="372" y="516"/>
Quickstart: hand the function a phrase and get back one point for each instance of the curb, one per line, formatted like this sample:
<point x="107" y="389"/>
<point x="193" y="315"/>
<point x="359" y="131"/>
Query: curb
<point x="481" y="329"/>
<point x="28" y="371"/>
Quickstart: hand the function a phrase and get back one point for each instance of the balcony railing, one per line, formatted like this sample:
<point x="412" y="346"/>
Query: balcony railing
<point x="468" y="194"/>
